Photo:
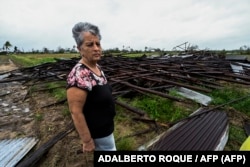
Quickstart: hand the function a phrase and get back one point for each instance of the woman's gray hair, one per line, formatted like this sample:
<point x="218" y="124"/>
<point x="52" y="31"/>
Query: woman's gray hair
<point x="81" y="27"/>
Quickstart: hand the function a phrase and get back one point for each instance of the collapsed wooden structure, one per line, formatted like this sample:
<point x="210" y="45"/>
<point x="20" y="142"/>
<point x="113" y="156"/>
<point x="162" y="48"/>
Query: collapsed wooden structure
<point x="199" y="72"/>
<point x="151" y="75"/>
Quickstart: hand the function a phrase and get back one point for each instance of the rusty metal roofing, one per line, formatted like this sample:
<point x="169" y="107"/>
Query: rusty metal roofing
<point x="208" y="131"/>
<point x="13" y="150"/>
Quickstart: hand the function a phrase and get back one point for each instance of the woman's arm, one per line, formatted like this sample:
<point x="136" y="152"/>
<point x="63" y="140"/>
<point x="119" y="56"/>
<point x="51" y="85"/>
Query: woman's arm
<point x="76" y="100"/>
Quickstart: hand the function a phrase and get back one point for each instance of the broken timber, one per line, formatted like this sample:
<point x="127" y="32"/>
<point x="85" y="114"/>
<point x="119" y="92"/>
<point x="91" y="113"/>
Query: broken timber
<point x="201" y="71"/>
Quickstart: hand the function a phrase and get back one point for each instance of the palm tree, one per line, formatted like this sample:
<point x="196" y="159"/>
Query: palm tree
<point x="15" y="49"/>
<point x="7" y="46"/>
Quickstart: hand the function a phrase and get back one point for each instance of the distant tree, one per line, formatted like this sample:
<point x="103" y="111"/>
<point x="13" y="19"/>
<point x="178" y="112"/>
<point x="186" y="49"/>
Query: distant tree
<point x="60" y="49"/>
<point x="45" y="50"/>
<point x="74" y="49"/>
<point x="244" y="49"/>
<point x="116" y="49"/>
<point x="157" y="49"/>
<point x="15" y="49"/>
<point x="67" y="50"/>
<point x="193" y="47"/>
<point x="248" y="50"/>
<point x="7" y="46"/>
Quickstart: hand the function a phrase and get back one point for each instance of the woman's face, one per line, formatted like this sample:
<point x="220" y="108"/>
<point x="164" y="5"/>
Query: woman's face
<point x="91" y="47"/>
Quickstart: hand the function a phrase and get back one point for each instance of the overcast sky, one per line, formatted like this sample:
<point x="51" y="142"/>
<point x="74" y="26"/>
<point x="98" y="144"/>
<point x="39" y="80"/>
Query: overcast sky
<point x="164" y="24"/>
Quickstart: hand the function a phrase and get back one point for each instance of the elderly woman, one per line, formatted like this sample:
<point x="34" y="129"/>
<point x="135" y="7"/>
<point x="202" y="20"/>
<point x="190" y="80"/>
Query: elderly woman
<point x="89" y="96"/>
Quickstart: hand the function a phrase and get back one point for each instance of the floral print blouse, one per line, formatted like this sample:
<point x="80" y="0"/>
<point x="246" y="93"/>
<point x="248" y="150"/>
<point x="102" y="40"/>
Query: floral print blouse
<point x="82" y="77"/>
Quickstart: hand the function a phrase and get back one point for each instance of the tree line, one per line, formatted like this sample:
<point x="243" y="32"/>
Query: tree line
<point x="7" y="45"/>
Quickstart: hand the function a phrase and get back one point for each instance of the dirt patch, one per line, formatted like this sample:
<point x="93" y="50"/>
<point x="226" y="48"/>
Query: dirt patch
<point x="23" y="114"/>
<point x="22" y="117"/>
<point x="8" y="67"/>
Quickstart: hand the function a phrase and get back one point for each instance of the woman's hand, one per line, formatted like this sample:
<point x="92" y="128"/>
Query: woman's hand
<point x="88" y="146"/>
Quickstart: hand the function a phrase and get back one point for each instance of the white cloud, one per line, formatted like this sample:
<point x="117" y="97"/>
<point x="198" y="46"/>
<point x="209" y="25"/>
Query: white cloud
<point x="214" y="24"/>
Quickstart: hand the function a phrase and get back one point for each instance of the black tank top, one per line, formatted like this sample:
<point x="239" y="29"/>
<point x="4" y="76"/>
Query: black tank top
<point x="99" y="111"/>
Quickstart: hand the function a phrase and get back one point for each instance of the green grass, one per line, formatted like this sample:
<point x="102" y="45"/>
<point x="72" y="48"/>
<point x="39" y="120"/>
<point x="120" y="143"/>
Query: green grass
<point x="236" y="137"/>
<point x="135" y="55"/>
<point x="28" y="60"/>
<point x="230" y="93"/>
<point x="66" y="112"/>
<point x="38" y="116"/>
<point x="237" y="134"/>
<point x="125" y="144"/>
<point x="57" y="89"/>
<point x="160" y="109"/>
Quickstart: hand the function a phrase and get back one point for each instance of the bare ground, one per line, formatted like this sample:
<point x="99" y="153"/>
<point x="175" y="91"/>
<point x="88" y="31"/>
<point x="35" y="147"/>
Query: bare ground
<point x="8" y="66"/>
<point x="27" y="118"/>
<point x="22" y="116"/>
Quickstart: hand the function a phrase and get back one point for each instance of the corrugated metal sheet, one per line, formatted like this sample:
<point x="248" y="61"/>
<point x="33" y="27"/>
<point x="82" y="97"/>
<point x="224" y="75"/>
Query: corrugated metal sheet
<point x="4" y="75"/>
<point x="196" y="96"/>
<point x="238" y="69"/>
<point x="206" y="132"/>
<point x="243" y="64"/>
<point x="13" y="150"/>
<point x="236" y="57"/>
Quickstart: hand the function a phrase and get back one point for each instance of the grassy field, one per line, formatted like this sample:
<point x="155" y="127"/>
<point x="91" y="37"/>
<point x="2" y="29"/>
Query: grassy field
<point x="26" y="60"/>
